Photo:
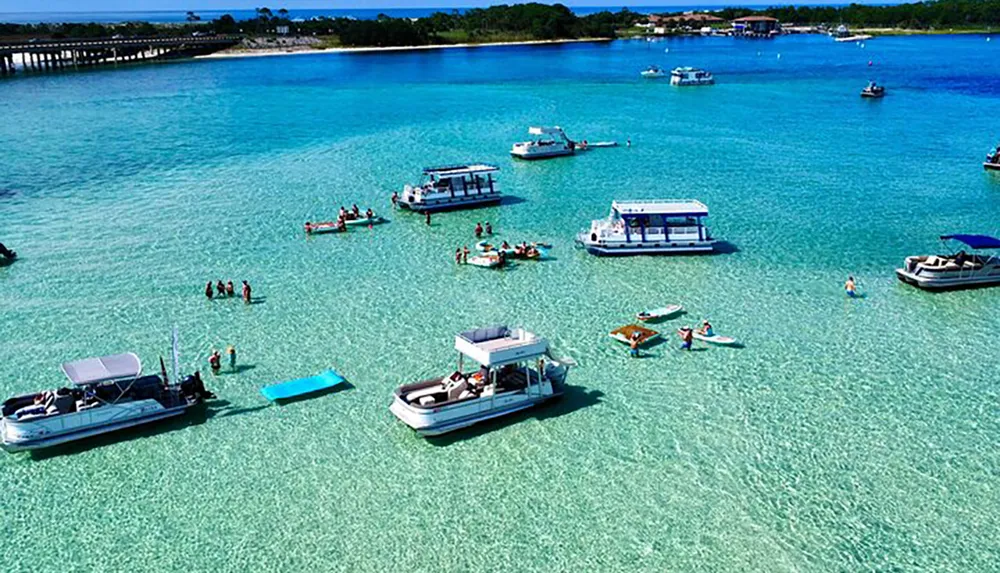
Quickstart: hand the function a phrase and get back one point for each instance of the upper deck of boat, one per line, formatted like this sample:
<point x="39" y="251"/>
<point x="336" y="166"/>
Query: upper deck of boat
<point x="669" y="207"/>
<point x="497" y="345"/>
<point x="448" y="171"/>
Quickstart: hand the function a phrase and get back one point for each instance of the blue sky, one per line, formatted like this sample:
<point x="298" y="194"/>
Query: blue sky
<point x="144" y="5"/>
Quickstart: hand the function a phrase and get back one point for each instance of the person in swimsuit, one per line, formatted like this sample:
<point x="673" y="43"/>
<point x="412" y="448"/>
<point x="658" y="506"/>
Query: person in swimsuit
<point x="489" y="228"/>
<point x="706" y="329"/>
<point x="220" y="288"/>
<point x="231" y="351"/>
<point x="230" y="291"/>
<point x="246" y="292"/>
<point x="687" y="337"/>
<point x="465" y="254"/>
<point x="478" y="231"/>
<point x="850" y="288"/>
<point x="395" y="198"/>
<point x="208" y="290"/>
<point x="215" y="361"/>
<point x="633" y="345"/>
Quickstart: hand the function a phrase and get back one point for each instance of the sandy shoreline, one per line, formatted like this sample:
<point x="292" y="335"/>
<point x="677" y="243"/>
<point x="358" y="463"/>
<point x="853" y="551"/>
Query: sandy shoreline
<point x="302" y="51"/>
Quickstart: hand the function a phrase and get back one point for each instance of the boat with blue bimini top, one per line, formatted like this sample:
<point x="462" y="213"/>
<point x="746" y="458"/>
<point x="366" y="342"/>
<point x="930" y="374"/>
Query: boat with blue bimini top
<point x="960" y="270"/>
<point x="513" y="375"/>
<point x="650" y="227"/>
<point x="453" y="187"/>
<point x="108" y="393"/>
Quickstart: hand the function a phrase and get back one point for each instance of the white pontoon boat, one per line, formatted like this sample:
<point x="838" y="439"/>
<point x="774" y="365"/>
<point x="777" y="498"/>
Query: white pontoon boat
<point x="955" y="271"/>
<point x="453" y="187"/>
<point x="650" y="227"/>
<point x="108" y="393"/>
<point x="513" y="375"/>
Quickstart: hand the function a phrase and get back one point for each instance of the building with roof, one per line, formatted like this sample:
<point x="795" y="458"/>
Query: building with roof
<point x="756" y="26"/>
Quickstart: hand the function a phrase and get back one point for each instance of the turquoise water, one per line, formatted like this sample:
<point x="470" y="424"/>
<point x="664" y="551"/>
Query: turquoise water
<point x="845" y="435"/>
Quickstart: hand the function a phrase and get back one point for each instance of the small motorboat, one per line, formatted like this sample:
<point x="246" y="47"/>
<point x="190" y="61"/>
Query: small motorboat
<point x="872" y="90"/>
<point x="552" y="142"/>
<point x="992" y="162"/>
<point x="373" y="220"/>
<point x="626" y="333"/>
<point x="714" y="339"/>
<point x="653" y="72"/>
<point x="659" y="313"/>
<point x="324" y="227"/>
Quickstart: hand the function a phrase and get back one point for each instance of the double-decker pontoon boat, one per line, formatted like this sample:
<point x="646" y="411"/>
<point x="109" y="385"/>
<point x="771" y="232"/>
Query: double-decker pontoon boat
<point x="955" y="271"/>
<point x="513" y="375"/>
<point x="108" y="393"/>
<point x="650" y="227"/>
<point x="453" y="187"/>
<point x="552" y="142"/>
<point x="689" y="76"/>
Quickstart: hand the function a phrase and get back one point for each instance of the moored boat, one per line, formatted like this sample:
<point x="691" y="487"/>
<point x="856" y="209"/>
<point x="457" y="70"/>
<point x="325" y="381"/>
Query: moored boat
<point x="653" y="72"/>
<point x="873" y="91"/>
<point x="688" y="76"/>
<point x="959" y="270"/>
<point x="659" y="313"/>
<point x="513" y="375"/>
<point x="108" y="393"/>
<point x="992" y="162"/>
<point x="453" y="187"/>
<point x="551" y="142"/>
<point x="650" y="227"/>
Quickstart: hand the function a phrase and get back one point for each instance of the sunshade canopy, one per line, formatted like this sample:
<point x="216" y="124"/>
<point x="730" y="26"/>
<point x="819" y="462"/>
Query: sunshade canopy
<point x="975" y="241"/>
<point x="103" y="369"/>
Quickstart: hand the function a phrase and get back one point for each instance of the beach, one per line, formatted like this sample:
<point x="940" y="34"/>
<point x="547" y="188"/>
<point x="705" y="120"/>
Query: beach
<point x="846" y="434"/>
<point x="297" y="51"/>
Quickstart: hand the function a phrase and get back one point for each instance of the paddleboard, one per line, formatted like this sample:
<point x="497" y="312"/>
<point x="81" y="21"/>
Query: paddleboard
<point x="365" y="221"/>
<point x="715" y="339"/>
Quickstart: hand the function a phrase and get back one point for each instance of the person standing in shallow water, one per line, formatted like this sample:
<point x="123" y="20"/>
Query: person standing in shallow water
<point x="208" y="290"/>
<point x="246" y="292"/>
<point x="230" y="291"/>
<point x="479" y="230"/>
<point x="850" y="288"/>
<point x="220" y="289"/>
<point x="231" y="351"/>
<point x="428" y="218"/>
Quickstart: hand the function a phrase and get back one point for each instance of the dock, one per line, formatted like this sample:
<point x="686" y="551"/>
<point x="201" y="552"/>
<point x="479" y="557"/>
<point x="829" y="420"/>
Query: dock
<point x="53" y="55"/>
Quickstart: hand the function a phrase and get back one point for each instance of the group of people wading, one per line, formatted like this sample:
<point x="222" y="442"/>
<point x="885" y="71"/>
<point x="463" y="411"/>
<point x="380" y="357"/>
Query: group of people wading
<point x="227" y="290"/>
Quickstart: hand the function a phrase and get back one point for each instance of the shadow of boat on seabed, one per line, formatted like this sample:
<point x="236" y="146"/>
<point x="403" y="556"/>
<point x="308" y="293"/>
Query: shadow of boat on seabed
<point x="574" y="398"/>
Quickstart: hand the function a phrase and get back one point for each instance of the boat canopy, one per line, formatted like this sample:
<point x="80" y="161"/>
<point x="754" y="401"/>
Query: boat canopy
<point x="447" y="171"/>
<point x="103" y="369"/>
<point x="974" y="241"/>
<point x="669" y="207"/>
<point x="499" y="345"/>
<point x="546" y="131"/>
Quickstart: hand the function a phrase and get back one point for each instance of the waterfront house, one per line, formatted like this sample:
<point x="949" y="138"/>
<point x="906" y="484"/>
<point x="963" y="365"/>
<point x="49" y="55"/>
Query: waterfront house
<point x="756" y="26"/>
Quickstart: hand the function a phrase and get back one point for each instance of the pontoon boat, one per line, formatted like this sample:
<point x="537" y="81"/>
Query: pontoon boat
<point x="552" y="142"/>
<point x="108" y="393"/>
<point x="513" y="375"/>
<point x="955" y="271"/>
<point x="650" y="227"/>
<point x="453" y="187"/>
<point x="690" y="77"/>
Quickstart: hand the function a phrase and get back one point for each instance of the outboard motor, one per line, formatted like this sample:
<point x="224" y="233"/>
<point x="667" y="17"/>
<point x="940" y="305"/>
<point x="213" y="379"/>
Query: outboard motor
<point x="193" y="385"/>
<point x="7" y="253"/>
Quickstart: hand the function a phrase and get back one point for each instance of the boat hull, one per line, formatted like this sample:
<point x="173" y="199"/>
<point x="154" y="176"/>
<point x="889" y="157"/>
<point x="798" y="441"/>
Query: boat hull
<point x="438" y="421"/>
<point x="529" y="156"/>
<point x="56" y="430"/>
<point x="451" y="205"/>
<point x="933" y="283"/>
<point x="991" y="166"/>
<point x="631" y="249"/>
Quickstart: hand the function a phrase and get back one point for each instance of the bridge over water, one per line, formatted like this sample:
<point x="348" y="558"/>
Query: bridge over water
<point x="47" y="55"/>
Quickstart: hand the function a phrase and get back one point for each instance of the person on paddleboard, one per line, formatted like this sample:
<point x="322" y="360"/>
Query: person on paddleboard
<point x="706" y="329"/>
<point x="850" y="287"/>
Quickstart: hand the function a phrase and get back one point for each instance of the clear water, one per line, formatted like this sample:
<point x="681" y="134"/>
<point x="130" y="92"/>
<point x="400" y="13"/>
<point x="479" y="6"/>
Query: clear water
<point x="845" y="435"/>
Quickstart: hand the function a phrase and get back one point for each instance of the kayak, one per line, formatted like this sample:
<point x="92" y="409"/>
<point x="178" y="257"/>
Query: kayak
<point x="323" y="227"/>
<point x="374" y="220"/>
<point x="624" y="334"/>
<point x="715" y="339"/>
<point x="659" y="313"/>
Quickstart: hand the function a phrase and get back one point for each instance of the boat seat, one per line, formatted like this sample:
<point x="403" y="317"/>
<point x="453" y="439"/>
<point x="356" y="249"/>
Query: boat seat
<point x="465" y="394"/>
<point x="426" y="400"/>
<point x="417" y="395"/>
<point x="456" y="390"/>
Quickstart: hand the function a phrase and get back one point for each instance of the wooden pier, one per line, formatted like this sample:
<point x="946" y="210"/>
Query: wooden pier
<point x="50" y="55"/>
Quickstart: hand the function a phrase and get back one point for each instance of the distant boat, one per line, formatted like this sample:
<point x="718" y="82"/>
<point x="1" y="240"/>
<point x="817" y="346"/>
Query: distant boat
<point x="873" y="90"/>
<point x="691" y="77"/>
<point x="653" y="72"/>
<point x="659" y="313"/>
